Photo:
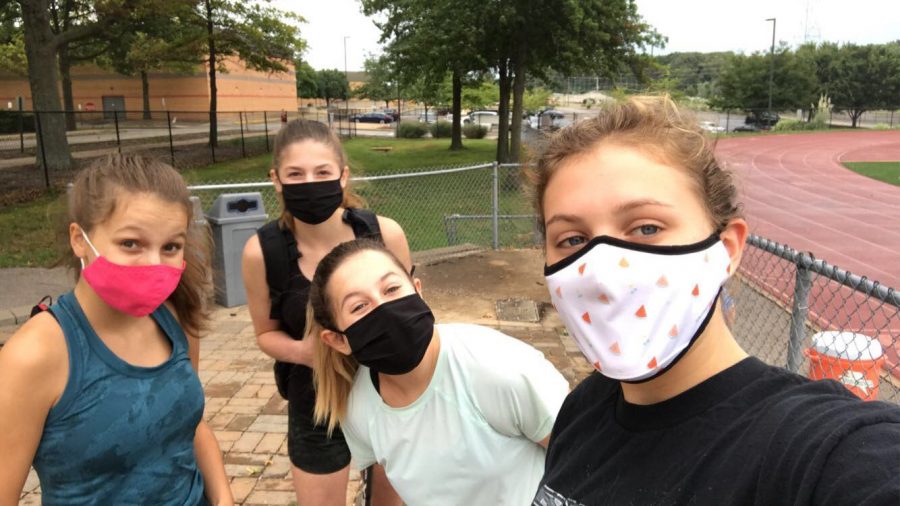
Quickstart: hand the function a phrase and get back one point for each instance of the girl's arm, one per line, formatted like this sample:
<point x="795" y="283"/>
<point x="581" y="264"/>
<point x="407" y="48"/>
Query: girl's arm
<point x="34" y="368"/>
<point x="395" y="240"/>
<point x="209" y="456"/>
<point x="383" y="494"/>
<point x="273" y="341"/>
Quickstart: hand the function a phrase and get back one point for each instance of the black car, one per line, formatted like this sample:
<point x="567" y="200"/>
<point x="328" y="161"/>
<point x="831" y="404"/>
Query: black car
<point x="747" y="128"/>
<point x="763" y="119"/>
<point x="372" y="117"/>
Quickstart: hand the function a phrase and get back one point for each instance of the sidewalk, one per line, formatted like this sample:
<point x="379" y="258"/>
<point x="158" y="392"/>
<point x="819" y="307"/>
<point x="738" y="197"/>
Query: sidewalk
<point x="250" y="418"/>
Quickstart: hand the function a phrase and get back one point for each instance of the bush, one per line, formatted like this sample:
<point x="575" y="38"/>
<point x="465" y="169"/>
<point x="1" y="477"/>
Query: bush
<point x="793" y="125"/>
<point x="411" y="130"/>
<point x="475" y="131"/>
<point x="441" y="129"/>
<point x="9" y="122"/>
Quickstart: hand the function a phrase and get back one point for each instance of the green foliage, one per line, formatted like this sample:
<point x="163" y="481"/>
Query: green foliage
<point x="10" y="122"/>
<point x="536" y="99"/>
<point x="744" y="81"/>
<point x="692" y="73"/>
<point x="411" y="130"/>
<point x="332" y="84"/>
<point x="483" y="95"/>
<point x="441" y="129"/>
<point x="381" y="83"/>
<point x="307" y="81"/>
<point x="865" y="77"/>
<point x="475" y="131"/>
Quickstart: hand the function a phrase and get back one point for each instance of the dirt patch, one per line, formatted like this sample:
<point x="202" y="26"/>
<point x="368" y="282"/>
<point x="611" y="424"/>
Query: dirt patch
<point x="466" y="289"/>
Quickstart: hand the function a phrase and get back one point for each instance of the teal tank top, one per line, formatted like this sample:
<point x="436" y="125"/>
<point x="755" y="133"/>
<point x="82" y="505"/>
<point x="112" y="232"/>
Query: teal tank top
<point x="121" y="434"/>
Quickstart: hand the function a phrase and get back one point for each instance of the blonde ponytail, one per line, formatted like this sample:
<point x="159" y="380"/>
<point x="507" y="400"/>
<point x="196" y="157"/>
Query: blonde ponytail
<point x="333" y="373"/>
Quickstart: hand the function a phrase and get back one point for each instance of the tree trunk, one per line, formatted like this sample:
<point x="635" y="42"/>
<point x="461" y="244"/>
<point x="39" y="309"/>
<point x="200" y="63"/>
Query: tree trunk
<point x="854" y="116"/>
<point x="213" y="91"/>
<point x="40" y="48"/>
<point x="515" y="142"/>
<point x="145" y="93"/>
<point x="65" y="74"/>
<point x="456" y="130"/>
<point x="503" y="130"/>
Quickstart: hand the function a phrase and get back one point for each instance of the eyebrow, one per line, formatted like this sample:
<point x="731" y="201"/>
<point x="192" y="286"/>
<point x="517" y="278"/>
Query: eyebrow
<point x="380" y="280"/>
<point x="137" y="229"/>
<point x="622" y="208"/>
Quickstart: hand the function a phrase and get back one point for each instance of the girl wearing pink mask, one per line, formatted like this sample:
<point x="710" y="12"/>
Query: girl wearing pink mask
<point x="320" y="211"/>
<point x="101" y="393"/>
<point x="642" y="228"/>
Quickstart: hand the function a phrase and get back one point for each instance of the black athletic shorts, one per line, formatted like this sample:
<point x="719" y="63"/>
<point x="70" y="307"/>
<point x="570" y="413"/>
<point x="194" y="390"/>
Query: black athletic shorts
<point x="309" y="446"/>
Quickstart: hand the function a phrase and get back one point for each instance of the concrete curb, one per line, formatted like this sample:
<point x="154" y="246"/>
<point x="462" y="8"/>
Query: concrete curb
<point x="14" y="316"/>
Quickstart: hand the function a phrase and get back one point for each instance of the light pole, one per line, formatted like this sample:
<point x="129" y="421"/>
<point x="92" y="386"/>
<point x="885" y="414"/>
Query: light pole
<point x="771" y="71"/>
<point x="347" y="77"/>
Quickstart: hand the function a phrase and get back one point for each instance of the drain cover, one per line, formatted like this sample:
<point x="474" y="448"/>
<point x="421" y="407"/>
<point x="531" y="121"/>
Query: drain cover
<point x="518" y="310"/>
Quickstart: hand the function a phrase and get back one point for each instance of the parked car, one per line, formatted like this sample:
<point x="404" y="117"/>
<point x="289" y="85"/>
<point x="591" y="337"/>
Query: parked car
<point x="550" y="119"/>
<point x="763" y="119"/>
<point x="711" y="126"/>
<point x="431" y="117"/>
<point x="392" y="113"/>
<point x="372" y="117"/>
<point x="482" y="117"/>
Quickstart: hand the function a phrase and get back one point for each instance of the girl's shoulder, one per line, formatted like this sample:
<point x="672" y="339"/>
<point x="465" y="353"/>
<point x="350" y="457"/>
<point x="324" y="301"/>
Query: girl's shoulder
<point x="38" y="350"/>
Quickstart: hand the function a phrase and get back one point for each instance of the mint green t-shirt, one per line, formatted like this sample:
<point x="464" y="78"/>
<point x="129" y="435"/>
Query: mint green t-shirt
<point x="471" y="437"/>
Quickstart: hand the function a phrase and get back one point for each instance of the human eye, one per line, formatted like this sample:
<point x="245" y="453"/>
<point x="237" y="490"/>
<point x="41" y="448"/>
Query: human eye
<point x="357" y="307"/>
<point x="572" y="241"/>
<point x="646" y="230"/>
<point x="128" y="243"/>
<point x="173" y="247"/>
<point x="392" y="289"/>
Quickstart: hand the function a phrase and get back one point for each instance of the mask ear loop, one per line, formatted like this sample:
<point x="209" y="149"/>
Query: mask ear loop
<point x="96" y="253"/>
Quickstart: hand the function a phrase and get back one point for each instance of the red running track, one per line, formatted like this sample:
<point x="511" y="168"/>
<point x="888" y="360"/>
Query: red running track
<point x="795" y="191"/>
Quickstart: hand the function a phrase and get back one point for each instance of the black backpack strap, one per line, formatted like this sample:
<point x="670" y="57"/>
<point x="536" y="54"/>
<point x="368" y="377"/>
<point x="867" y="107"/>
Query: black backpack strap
<point x="280" y="254"/>
<point x="364" y="223"/>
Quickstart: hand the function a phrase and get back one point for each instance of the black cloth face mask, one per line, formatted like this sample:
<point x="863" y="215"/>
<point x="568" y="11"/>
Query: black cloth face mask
<point x="393" y="337"/>
<point x="312" y="203"/>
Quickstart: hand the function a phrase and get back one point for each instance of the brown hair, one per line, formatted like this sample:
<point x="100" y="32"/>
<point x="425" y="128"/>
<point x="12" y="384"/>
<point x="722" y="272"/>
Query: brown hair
<point x="653" y="124"/>
<point x="300" y="130"/>
<point x="332" y="370"/>
<point x="93" y="199"/>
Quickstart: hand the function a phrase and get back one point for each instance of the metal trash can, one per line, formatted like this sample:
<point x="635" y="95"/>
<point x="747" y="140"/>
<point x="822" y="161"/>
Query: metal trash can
<point x="233" y="218"/>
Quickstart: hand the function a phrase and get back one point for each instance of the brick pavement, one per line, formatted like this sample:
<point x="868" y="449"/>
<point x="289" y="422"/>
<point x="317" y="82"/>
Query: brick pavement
<point x="250" y="418"/>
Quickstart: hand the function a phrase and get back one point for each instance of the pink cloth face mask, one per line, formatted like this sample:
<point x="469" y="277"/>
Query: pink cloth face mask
<point x="136" y="290"/>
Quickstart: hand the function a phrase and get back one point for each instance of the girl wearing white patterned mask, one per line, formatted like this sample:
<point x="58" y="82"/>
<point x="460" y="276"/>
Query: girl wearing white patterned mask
<point x="642" y="229"/>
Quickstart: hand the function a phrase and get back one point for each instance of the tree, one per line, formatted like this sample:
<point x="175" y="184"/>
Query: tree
<point x="381" y="80"/>
<point x="41" y="46"/>
<point x="744" y="82"/>
<point x="865" y="77"/>
<point x="263" y="37"/>
<point x="307" y="83"/>
<point x="332" y="84"/>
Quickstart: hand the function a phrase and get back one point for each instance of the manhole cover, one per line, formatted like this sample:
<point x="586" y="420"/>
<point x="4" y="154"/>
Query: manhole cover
<point x="518" y="310"/>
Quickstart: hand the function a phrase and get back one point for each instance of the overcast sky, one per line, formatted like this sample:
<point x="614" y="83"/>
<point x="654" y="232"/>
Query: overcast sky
<point x="690" y="25"/>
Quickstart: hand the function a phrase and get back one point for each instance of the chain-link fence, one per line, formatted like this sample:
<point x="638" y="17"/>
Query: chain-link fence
<point x="792" y="310"/>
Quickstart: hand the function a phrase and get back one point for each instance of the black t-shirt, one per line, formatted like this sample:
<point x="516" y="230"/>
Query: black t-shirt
<point x="752" y="434"/>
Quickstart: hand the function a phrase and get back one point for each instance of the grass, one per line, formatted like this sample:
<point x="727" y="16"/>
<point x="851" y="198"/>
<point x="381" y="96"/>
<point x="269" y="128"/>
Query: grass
<point x="29" y="232"/>
<point x="889" y="172"/>
<point x="418" y="204"/>
<point x="404" y="154"/>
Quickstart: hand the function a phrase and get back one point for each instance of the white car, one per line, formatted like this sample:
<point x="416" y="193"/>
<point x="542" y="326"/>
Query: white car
<point x="711" y="126"/>
<point x="482" y="117"/>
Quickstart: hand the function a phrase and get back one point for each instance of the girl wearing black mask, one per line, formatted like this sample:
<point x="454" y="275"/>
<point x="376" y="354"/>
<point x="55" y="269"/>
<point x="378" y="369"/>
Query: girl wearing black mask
<point x="455" y="413"/>
<point x="311" y="177"/>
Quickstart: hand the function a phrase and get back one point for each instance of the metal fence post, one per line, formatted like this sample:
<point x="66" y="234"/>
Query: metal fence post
<point x="241" y="121"/>
<point x="40" y="137"/>
<point x="727" y="120"/>
<point x="21" y="131"/>
<point x="266" y="125"/>
<point x="495" y="205"/>
<point x="799" y="311"/>
<point x="118" y="139"/>
<point x="171" y="144"/>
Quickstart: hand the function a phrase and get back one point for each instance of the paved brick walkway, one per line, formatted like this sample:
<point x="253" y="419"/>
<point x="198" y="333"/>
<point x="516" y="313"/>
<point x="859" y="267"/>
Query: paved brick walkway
<point x="250" y="418"/>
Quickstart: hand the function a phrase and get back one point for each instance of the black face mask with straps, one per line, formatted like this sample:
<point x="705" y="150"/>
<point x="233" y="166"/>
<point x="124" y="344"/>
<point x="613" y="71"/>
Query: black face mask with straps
<point x="312" y="203"/>
<point x="393" y="337"/>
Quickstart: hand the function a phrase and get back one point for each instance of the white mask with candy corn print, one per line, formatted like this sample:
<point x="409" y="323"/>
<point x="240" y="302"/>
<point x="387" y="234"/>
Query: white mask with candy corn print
<point x="635" y="309"/>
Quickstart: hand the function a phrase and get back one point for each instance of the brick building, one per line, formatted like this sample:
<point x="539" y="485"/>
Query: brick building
<point x="97" y="89"/>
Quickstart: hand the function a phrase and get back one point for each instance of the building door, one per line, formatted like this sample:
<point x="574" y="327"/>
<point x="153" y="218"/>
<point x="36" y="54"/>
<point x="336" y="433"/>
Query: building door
<point x="112" y="104"/>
